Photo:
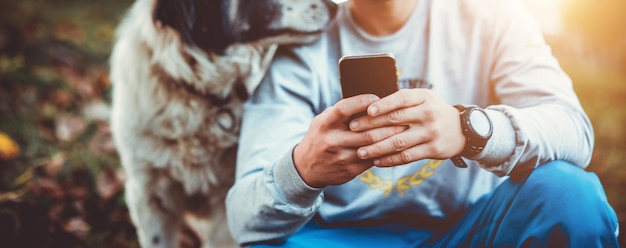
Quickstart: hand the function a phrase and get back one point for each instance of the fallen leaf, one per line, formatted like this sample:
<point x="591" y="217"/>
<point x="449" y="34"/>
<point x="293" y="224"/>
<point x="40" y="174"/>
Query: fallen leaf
<point x="78" y="191"/>
<point x="70" y="31"/>
<point x="8" y="148"/>
<point x="109" y="183"/>
<point x="54" y="165"/>
<point x="97" y="110"/>
<point x="62" y="98"/>
<point x="102" y="141"/>
<point x="46" y="188"/>
<point x="77" y="78"/>
<point x="8" y="64"/>
<point x="77" y="226"/>
<point x="11" y="196"/>
<point x="69" y="127"/>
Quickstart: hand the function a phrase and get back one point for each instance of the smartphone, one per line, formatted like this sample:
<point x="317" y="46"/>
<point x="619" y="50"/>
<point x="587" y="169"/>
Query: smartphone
<point x="368" y="74"/>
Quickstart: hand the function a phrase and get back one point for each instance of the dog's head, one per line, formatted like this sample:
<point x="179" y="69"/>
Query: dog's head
<point x="213" y="25"/>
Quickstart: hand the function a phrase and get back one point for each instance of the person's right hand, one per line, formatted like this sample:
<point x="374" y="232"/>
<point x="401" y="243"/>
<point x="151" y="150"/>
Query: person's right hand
<point x="327" y="153"/>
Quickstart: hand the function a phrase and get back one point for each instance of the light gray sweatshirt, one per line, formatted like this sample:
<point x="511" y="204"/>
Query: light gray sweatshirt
<point x="490" y="53"/>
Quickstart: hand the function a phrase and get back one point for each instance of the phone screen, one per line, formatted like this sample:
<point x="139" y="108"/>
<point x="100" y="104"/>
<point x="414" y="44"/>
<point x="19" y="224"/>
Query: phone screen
<point x="370" y="73"/>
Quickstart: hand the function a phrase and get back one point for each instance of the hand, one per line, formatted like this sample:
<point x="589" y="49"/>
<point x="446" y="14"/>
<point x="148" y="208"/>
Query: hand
<point x="434" y="129"/>
<point x="327" y="153"/>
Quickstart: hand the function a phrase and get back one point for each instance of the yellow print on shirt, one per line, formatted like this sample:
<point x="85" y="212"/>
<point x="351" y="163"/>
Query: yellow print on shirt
<point x="404" y="183"/>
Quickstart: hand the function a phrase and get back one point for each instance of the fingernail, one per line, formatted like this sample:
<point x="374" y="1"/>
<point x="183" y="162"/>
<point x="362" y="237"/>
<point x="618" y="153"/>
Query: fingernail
<point x="377" y="162"/>
<point x="373" y="99"/>
<point x="373" y="110"/>
<point x="354" y="124"/>
<point x="362" y="153"/>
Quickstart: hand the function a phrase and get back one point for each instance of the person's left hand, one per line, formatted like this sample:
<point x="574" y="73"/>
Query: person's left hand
<point x="434" y="128"/>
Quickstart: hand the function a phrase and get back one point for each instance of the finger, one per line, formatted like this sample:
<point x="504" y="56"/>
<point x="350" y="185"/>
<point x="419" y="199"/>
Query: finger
<point x="363" y="166"/>
<point x="349" y="172"/>
<point x="349" y="165"/>
<point x="351" y="106"/>
<point x="406" y="156"/>
<point x="400" y="99"/>
<point x="400" y="117"/>
<point x="394" y="144"/>
<point x="360" y="166"/>
<point x="371" y="136"/>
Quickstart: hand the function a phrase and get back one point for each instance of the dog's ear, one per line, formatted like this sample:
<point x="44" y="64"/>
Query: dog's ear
<point x="176" y="14"/>
<point x="208" y="30"/>
<point x="198" y="22"/>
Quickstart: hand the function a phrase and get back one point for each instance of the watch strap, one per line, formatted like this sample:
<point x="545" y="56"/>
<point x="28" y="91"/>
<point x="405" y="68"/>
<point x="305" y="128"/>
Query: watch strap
<point x="458" y="161"/>
<point x="473" y="144"/>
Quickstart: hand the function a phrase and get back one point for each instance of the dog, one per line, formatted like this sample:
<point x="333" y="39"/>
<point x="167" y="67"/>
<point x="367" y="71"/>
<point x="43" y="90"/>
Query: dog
<point x="180" y="72"/>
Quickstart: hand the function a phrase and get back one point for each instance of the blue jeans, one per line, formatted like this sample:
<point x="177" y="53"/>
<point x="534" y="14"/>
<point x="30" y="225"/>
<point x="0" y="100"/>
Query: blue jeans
<point x="557" y="205"/>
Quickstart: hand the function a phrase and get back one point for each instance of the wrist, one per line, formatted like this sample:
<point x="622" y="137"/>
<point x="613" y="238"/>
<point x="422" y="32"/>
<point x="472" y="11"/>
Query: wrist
<point x="477" y="129"/>
<point x="290" y="185"/>
<point x="299" y="165"/>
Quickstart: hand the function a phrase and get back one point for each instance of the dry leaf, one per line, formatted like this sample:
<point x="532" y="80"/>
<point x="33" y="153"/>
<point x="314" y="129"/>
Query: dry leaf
<point x="54" y="165"/>
<point x="69" y="127"/>
<point x="70" y="31"/>
<point x="46" y="188"/>
<point x="102" y="142"/>
<point x="77" y="226"/>
<point x="62" y="98"/>
<point x="78" y="191"/>
<point x="79" y="80"/>
<point x="109" y="183"/>
<point x="8" y="148"/>
<point x="97" y="110"/>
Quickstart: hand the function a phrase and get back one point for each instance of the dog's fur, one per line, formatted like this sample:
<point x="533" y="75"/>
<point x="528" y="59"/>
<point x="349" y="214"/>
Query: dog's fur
<point x="181" y="69"/>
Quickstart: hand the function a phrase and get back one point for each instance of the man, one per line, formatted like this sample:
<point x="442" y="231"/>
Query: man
<point x="306" y="179"/>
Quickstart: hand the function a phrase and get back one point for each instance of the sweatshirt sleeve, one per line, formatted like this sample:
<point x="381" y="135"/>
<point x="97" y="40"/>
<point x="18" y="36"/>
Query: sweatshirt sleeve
<point x="269" y="200"/>
<point x="539" y="117"/>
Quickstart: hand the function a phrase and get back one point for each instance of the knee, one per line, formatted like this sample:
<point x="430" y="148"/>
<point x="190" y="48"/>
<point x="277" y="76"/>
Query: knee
<point x="565" y="182"/>
<point x="569" y="197"/>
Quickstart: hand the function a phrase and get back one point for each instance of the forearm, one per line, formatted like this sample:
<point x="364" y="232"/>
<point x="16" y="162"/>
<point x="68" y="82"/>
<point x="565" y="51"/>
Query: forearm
<point x="535" y="135"/>
<point x="539" y="118"/>
<point x="269" y="200"/>
<point x="270" y="204"/>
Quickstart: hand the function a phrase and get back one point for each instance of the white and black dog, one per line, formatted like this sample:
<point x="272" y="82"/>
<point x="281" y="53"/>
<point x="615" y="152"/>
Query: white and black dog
<point x="181" y="70"/>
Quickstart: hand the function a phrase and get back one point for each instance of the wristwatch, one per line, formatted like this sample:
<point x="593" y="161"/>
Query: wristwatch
<point x="477" y="129"/>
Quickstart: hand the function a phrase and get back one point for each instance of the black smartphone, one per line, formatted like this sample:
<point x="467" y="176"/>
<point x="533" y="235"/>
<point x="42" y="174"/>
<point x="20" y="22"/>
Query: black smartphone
<point x="369" y="73"/>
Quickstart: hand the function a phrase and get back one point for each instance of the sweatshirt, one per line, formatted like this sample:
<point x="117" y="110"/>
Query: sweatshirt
<point x="489" y="53"/>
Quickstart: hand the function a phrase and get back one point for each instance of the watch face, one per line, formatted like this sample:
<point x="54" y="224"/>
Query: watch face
<point x="480" y="122"/>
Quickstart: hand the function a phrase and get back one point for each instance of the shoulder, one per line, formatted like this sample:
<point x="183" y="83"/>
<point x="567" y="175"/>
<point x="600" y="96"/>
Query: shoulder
<point x="304" y="74"/>
<point x="478" y="11"/>
<point x="313" y="57"/>
<point x="491" y="20"/>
